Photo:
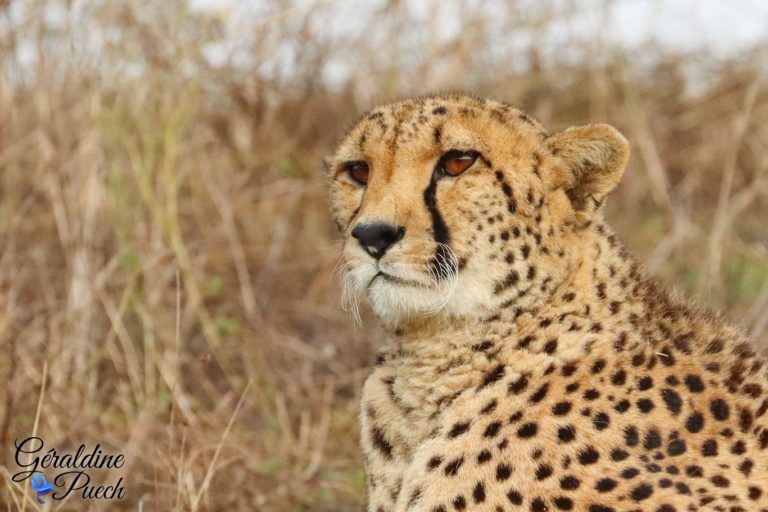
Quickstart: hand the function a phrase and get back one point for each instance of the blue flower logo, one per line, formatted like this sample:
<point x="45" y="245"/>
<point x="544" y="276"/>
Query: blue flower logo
<point x="41" y="486"/>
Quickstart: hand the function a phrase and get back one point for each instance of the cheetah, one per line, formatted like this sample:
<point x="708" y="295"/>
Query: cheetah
<point x="530" y="363"/>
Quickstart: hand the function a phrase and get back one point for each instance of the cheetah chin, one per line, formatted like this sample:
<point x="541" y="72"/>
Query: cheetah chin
<point x="529" y="362"/>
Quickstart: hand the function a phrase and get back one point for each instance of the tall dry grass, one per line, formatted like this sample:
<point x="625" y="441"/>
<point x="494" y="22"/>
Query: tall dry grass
<point x="166" y="257"/>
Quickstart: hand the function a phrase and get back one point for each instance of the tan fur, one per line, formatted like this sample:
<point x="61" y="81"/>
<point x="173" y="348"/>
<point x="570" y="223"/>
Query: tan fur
<point x="543" y="370"/>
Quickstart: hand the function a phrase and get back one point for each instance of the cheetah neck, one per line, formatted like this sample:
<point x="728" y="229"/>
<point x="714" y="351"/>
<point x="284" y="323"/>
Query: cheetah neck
<point x="438" y="357"/>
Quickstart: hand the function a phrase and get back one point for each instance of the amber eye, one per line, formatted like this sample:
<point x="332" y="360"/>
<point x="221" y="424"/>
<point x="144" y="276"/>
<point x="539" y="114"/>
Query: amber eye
<point x="359" y="172"/>
<point x="454" y="162"/>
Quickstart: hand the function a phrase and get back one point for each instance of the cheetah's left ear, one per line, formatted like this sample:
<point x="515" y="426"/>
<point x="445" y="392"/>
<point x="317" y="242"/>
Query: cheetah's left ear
<point x="594" y="158"/>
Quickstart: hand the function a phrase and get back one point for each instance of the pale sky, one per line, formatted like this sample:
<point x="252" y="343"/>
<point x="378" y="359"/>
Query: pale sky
<point x="722" y="25"/>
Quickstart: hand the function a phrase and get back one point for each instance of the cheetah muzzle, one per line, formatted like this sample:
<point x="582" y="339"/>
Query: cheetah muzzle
<point x="530" y="363"/>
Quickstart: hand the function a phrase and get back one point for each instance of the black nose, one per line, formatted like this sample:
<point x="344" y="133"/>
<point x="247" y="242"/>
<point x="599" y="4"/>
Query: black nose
<point x="377" y="238"/>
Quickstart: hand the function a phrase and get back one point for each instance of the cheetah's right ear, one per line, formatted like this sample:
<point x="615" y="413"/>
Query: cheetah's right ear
<point x="594" y="158"/>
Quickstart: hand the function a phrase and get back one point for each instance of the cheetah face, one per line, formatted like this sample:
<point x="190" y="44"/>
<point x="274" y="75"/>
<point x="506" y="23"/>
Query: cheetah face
<point x="445" y="203"/>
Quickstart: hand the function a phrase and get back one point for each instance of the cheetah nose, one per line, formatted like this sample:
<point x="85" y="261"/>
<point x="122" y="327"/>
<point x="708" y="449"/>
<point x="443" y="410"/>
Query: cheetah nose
<point x="377" y="238"/>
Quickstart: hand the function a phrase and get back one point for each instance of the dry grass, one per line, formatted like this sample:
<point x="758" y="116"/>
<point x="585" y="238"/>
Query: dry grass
<point x="165" y="247"/>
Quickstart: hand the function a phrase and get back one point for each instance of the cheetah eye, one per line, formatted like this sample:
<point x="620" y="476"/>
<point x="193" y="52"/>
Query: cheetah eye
<point x="456" y="162"/>
<point x="359" y="172"/>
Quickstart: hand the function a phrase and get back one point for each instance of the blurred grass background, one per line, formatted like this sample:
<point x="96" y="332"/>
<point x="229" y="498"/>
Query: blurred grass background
<point x="166" y="258"/>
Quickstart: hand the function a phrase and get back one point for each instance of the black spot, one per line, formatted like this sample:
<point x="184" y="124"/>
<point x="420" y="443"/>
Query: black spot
<point x="653" y="468"/>
<point x="482" y="346"/>
<point x="591" y="394"/>
<point x="606" y="484"/>
<point x="459" y="503"/>
<point x="515" y="497"/>
<point x="539" y="395"/>
<point x="525" y="341"/>
<point x="489" y="407"/>
<point x="695" y="422"/>
<point x="483" y="457"/>
<point x="512" y="279"/>
<point x="630" y="473"/>
<point x="492" y="429"/>
<point x="631" y="437"/>
<point x="439" y="111"/>
<point x="709" y="448"/>
<point x="570" y="483"/>
<point x="518" y="386"/>
<point x="622" y="406"/>
<point x="437" y="135"/>
<point x="563" y="503"/>
<point x="381" y="443"/>
<point x="746" y="467"/>
<point x="618" y="455"/>
<point x="478" y="493"/>
<point x="645" y="383"/>
<point x="694" y="383"/>
<point x="491" y="376"/>
<point x="598" y="366"/>
<point x="694" y="471"/>
<point x="641" y="492"/>
<point x="543" y="472"/>
<point x="676" y="447"/>
<point x="503" y="471"/>
<point x="652" y="440"/>
<point x="527" y="430"/>
<point x="738" y="448"/>
<point x="645" y="405"/>
<point x="458" y="429"/>
<point x="434" y="462"/>
<point x="538" y="505"/>
<point x="588" y="456"/>
<point x="566" y="434"/>
<point x="745" y="419"/>
<point x="561" y="408"/>
<point x="601" y="421"/>
<point x="666" y="357"/>
<point x="453" y="467"/>
<point x="719" y="409"/>
<point x="672" y="400"/>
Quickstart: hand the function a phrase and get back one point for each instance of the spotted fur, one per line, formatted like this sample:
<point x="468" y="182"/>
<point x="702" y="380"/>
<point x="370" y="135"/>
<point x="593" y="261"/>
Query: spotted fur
<point x="544" y="369"/>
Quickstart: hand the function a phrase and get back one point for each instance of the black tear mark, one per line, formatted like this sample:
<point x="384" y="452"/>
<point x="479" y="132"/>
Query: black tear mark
<point x="440" y="229"/>
<point x="354" y="214"/>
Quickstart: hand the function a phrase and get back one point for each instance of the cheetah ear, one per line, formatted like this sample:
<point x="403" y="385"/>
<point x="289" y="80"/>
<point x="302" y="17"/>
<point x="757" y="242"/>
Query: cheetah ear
<point x="594" y="158"/>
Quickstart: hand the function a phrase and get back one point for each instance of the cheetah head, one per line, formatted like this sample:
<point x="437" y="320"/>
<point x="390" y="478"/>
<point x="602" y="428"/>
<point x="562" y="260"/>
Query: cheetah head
<point x="453" y="205"/>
